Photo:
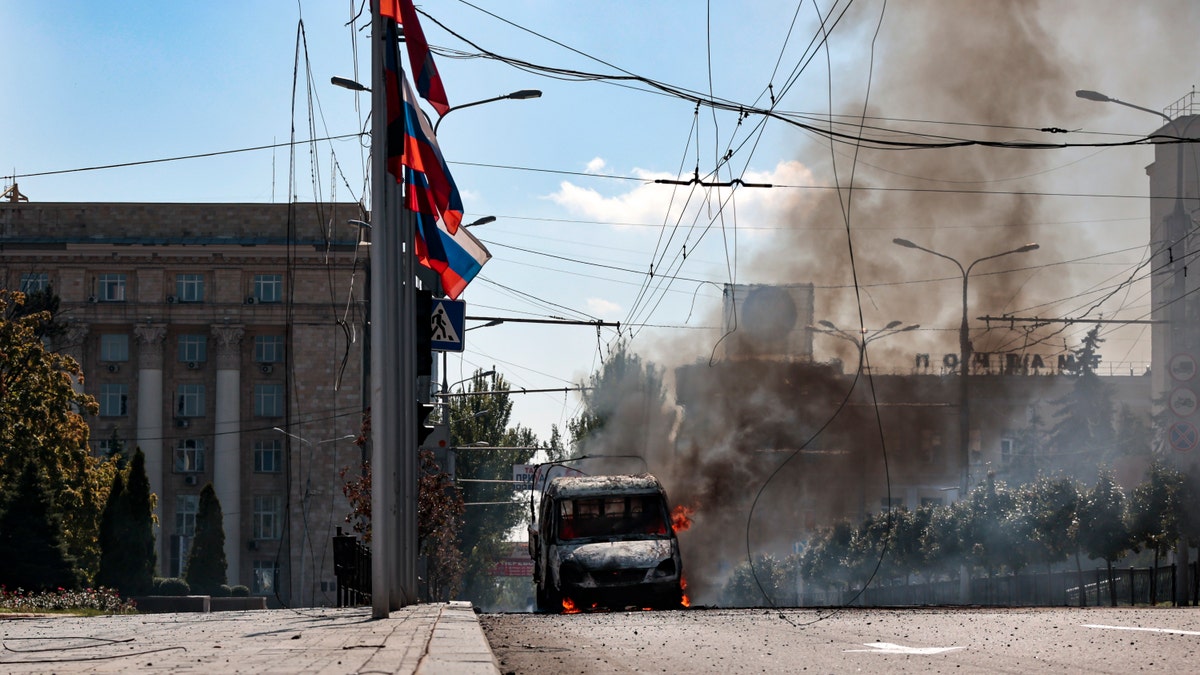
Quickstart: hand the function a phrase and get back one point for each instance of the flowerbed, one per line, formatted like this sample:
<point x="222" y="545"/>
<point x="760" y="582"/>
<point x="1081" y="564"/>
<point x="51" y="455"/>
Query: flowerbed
<point x="98" y="599"/>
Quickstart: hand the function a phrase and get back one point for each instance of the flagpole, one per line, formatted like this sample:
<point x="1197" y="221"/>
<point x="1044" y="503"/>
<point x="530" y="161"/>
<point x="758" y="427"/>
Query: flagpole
<point x="393" y="431"/>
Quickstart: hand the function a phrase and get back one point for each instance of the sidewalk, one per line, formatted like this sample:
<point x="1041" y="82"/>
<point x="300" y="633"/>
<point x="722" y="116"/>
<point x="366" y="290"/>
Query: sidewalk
<point x="428" y="639"/>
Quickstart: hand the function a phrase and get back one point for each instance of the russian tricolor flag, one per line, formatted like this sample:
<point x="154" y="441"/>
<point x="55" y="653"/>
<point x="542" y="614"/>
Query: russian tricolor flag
<point x="425" y="72"/>
<point x="413" y="153"/>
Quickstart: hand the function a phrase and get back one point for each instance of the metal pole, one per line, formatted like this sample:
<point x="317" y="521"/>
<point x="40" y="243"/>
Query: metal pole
<point x="382" y="436"/>
<point x="393" y="431"/>
<point x="964" y="399"/>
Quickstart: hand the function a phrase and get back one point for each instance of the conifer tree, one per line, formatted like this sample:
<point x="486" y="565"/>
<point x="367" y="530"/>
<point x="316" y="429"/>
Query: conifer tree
<point x="1085" y="414"/>
<point x="140" y="536"/>
<point x="206" y="564"/>
<point x="33" y="555"/>
<point x="114" y="526"/>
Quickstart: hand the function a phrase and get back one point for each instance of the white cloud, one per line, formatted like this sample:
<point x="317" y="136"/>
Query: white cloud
<point x="603" y="308"/>
<point x="655" y="203"/>
<point x="596" y="165"/>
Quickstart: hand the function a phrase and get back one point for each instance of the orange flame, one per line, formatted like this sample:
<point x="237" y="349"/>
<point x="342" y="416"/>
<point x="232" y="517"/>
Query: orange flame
<point x="681" y="517"/>
<point x="686" y="601"/>
<point x="569" y="607"/>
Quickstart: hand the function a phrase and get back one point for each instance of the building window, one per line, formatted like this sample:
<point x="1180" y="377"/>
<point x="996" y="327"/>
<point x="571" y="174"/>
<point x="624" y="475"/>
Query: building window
<point x="189" y="287"/>
<point x="193" y="348"/>
<point x="114" y="347"/>
<point x="268" y="288"/>
<point x="114" y="400"/>
<point x="189" y="456"/>
<point x="110" y="288"/>
<point x="266" y="576"/>
<point x="268" y="348"/>
<point x="931" y="446"/>
<point x="186" y="508"/>
<point x="181" y="546"/>
<point x="268" y="400"/>
<point x="267" y="516"/>
<point x="107" y="447"/>
<point x="190" y="400"/>
<point x="268" y="456"/>
<point x="34" y="282"/>
<point x="1007" y="450"/>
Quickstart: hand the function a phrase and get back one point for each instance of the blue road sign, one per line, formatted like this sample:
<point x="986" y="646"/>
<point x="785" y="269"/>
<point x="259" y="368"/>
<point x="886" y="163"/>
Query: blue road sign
<point x="1184" y="436"/>
<point x="446" y="321"/>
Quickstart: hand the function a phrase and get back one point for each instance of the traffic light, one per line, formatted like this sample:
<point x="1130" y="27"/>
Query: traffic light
<point x="423" y="328"/>
<point x="431" y="434"/>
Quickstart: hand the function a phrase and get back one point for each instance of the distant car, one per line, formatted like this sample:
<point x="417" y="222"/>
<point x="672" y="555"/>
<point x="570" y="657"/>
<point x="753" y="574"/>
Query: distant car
<point x="605" y="541"/>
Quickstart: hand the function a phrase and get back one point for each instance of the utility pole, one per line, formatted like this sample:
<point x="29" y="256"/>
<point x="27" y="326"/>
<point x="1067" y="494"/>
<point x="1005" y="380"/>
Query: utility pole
<point x="393" y="412"/>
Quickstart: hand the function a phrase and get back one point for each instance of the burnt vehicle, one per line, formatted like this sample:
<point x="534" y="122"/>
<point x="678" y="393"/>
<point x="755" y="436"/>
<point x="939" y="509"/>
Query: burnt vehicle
<point x="605" y="541"/>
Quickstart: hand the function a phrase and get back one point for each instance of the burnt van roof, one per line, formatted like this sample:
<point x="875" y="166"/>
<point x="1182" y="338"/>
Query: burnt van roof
<point x="588" y="486"/>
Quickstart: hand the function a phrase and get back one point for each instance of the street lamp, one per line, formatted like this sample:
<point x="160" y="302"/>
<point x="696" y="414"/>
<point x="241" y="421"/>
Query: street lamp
<point x="866" y="336"/>
<point x="347" y="83"/>
<point x="964" y="353"/>
<point x="482" y="221"/>
<point x="1176" y="228"/>
<point x="516" y="96"/>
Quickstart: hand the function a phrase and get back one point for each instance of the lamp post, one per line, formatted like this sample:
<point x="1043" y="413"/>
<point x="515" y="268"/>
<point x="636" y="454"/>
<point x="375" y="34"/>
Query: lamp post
<point x="1176" y="228"/>
<point x="867" y="336"/>
<point x="520" y="95"/>
<point x="964" y="354"/>
<point x="861" y="341"/>
<point x="1175" y="232"/>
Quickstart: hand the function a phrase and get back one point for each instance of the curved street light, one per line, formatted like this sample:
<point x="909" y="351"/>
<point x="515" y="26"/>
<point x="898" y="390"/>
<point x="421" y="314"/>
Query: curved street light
<point x="866" y="336"/>
<point x="1176" y="228"/>
<point x="964" y="349"/>
<point x="519" y="95"/>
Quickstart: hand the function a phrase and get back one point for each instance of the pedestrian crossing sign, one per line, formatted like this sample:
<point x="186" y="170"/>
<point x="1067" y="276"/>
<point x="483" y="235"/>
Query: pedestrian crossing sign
<point x="446" y="323"/>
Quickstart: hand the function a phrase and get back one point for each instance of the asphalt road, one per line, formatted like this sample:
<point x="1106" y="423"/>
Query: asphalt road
<point x="941" y="640"/>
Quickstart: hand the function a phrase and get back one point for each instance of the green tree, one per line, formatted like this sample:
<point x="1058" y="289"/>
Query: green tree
<point x="33" y="555"/>
<point x="114" y="526"/>
<point x="907" y="551"/>
<point x="1029" y="453"/>
<point x="1156" y="511"/>
<point x="993" y="530"/>
<point x="943" y="539"/>
<point x="488" y="449"/>
<point x="1104" y="533"/>
<point x="1085" y="414"/>
<point x="206" y="566"/>
<point x="144" y="556"/>
<point x="1053" y="507"/>
<point x="823" y="561"/>
<point x="1135" y="437"/>
<point x="43" y="307"/>
<point x="41" y="420"/>
<point x="765" y="584"/>
<point x="624" y="409"/>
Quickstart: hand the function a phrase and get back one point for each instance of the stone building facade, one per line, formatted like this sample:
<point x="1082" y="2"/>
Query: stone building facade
<point x="226" y="341"/>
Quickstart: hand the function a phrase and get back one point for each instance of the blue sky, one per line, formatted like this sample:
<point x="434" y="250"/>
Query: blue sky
<point x="569" y="176"/>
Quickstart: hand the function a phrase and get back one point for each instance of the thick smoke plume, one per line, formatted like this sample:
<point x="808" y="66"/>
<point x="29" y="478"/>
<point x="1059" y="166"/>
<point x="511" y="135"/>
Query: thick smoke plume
<point x="991" y="66"/>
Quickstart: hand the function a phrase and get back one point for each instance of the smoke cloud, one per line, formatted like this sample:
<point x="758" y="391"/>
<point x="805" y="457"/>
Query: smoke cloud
<point x="975" y="69"/>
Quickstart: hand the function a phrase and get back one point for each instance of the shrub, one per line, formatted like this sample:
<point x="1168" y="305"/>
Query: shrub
<point x="222" y="591"/>
<point x="240" y="591"/>
<point x="174" y="586"/>
<point x="98" y="599"/>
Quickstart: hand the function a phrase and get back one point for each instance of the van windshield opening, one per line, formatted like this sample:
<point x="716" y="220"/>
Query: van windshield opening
<point x="612" y="516"/>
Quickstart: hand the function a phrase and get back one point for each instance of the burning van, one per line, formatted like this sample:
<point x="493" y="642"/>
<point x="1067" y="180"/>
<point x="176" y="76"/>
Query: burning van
<point x="606" y="541"/>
